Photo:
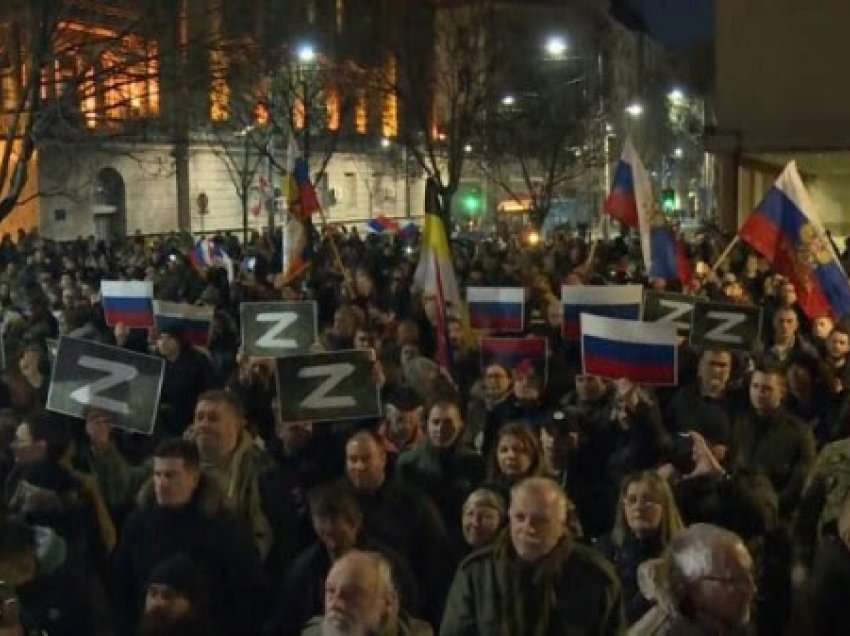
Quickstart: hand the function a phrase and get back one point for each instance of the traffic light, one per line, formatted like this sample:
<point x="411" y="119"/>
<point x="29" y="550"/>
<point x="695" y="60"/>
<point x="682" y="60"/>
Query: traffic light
<point x="471" y="200"/>
<point x="668" y="200"/>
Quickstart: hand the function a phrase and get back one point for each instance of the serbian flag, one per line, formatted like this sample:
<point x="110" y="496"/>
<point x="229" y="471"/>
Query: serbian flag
<point x="644" y="352"/>
<point x="190" y="323"/>
<point x="786" y="230"/>
<point x="382" y="224"/>
<point x="496" y="308"/>
<point x="613" y="301"/>
<point x="521" y="355"/>
<point x="435" y="274"/>
<point x="129" y="302"/>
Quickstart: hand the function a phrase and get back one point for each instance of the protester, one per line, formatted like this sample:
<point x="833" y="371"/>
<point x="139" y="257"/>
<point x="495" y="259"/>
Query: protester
<point x="534" y="578"/>
<point x="702" y="585"/>
<point x="484" y="515"/>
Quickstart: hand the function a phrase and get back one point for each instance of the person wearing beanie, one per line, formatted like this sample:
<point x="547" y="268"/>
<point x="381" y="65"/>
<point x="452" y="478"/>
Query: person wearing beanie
<point x="176" y="600"/>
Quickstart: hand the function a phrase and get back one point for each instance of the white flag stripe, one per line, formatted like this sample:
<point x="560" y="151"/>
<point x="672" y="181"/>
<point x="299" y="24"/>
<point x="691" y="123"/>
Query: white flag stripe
<point x="126" y="289"/>
<point x="601" y="294"/>
<point x="182" y="310"/>
<point x="658" y="333"/>
<point x="495" y="294"/>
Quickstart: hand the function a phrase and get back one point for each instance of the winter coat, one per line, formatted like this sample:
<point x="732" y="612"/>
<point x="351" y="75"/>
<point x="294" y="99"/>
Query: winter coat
<point x="626" y="559"/>
<point x="407" y="626"/>
<point x="829" y="583"/>
<point x="571" y="591"/>
<point x="779" y="446"/>
<point x="211" y="536"/>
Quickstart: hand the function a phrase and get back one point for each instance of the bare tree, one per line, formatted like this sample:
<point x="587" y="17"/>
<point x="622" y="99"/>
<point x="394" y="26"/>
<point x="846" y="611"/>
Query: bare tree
<point x="444" y="62"/>
<point x="71" y="71"/>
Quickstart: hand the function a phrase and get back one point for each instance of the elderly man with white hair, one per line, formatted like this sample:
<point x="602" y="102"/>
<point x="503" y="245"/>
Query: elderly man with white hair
<point x="702" y="585"/>
<point x="533" y="580"/>
<point x="361" y="599"/>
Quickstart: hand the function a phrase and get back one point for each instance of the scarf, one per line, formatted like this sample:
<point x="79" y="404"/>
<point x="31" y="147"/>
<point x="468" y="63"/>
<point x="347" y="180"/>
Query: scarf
<point x="528" y="589"/>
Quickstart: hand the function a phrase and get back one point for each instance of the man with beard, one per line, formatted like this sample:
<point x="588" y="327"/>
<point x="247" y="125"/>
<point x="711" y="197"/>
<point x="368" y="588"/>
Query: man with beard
<point x="534" y="579"/>
<point x="176" y="601"/>
<point x="361" y="600"/>
<point x="230" y="457"/>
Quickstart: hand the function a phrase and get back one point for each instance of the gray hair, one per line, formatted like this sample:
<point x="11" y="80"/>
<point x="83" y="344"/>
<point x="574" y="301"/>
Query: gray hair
<point x="691" y="554"/>
<point x="543" y="486"/>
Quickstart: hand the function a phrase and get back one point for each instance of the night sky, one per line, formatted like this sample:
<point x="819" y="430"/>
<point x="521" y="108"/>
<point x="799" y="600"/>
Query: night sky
<point x="679" y="24"/>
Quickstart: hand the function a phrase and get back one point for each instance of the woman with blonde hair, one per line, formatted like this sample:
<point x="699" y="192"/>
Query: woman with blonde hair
<point x="647" y="519"/>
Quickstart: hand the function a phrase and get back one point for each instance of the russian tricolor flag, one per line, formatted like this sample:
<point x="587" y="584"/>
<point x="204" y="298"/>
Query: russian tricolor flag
<point x="644" y="352"/>
<point x="612" y="301"/>
<point x="630" y="197"/>
<point x="381" y="224"/>
<point x="499" y="309"/>
<point x="190" y="322"/>
<point x="786" y="230"/>
<point x="129" y="302"/>
<point x="515" y="353"/>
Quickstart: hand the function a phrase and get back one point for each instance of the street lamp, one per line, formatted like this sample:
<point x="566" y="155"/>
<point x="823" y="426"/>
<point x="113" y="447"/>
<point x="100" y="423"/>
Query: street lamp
<point x="467" y="148"/>
<point x="556" y="46"/>
<point x="678" y="153"/>
<point x="306" y="53"/>
<point x="508" y="100"/>
<point x="635" y="109"/>
<point x="677" y="95"/>
<point x="385" y="143"/>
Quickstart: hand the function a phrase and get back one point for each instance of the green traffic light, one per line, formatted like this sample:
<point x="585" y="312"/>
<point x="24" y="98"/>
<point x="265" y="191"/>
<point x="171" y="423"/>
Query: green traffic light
<point x="471" y="203"/>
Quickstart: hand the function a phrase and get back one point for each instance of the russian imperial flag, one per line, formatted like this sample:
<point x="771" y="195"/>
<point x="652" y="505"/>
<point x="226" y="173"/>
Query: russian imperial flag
<point x="496" y="308"/>
<point x="786" y="230"/>
<point x="129" y="302"/>
<point x="644" y="352"/>
<point x="612" y="301"/>
<point x="191" y="323"/>
<point x="517" y="354"/>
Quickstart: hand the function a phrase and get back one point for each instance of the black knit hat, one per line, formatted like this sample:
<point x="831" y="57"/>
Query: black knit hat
<point x="181" y="574"/>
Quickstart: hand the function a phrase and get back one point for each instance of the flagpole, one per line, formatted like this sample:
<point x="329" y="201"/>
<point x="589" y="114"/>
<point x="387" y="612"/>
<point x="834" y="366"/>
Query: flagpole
<point x="725" y="253"/>
<point x="335" y="249"/>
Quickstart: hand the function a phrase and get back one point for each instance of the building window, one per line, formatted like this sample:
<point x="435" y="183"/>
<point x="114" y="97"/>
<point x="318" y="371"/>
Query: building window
<point x="219" y="88"/>
<point x="349" y="190"/>
<point x="333" y="107"/>
<point x="389" y="112"/>
<point x="361" y="113"/>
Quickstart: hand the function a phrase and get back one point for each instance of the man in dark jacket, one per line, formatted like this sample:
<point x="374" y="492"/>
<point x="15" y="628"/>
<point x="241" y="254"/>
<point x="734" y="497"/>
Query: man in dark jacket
<point x="442" y="467"/>
<point x="400" y="517"/>
<point x="767" y="439"/>
<point x="534" y="579"/>
<point x="184" y="513"/>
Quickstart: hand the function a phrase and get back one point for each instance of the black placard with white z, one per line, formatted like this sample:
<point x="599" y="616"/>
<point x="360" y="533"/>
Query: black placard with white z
<point x="88" y="375"/>
<point x="319" y="387"/>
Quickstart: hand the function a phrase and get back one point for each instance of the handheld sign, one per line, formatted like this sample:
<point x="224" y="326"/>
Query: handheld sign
<point x="613" y="301"/>
<point x="331" y="386"/>
<point x="497" y="309"/>
<point x="643" y="352"/>
<point x="732" y="326"/>
<point x="517" y="354"/>
<point x="673" y="308"/>
<point x="278" y="329"/>
<point x="88" y="375"/>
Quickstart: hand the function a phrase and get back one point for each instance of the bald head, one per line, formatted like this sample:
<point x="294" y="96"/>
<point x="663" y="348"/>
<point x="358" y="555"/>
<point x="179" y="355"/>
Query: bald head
<point x="360" y="596"/>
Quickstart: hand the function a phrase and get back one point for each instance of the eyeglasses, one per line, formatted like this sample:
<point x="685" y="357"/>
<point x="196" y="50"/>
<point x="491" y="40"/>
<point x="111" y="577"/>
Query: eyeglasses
<point x="634" y="500"/>
<point x="747" y="582"/>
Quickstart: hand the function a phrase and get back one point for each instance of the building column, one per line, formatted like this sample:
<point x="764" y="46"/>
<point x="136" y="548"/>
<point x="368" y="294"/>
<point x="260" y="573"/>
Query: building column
<point x="727" y="190"/>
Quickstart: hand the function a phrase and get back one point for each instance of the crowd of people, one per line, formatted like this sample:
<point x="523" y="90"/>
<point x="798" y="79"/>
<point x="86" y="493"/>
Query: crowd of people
<point x="487" y="499"/>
